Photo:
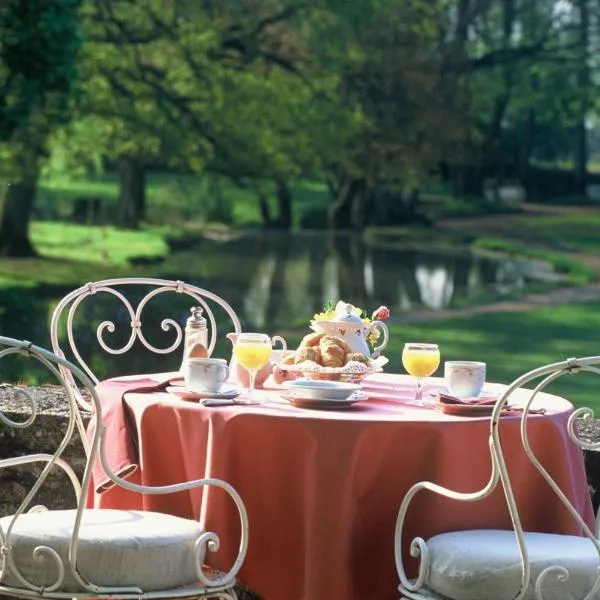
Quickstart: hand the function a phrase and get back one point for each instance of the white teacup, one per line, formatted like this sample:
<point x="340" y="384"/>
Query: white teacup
<point x="464" y="378"/>
<point x="205" y="374"/>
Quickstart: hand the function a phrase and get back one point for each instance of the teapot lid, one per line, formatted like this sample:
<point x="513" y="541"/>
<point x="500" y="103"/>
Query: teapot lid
<point x="345" y="315"/>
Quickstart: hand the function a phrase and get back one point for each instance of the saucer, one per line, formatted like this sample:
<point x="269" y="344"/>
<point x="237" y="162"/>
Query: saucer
<point x="326" y="403"/>
<point x="225" y="393"/>
<point x="475" y="410"/>
<point x="483" y="394"/>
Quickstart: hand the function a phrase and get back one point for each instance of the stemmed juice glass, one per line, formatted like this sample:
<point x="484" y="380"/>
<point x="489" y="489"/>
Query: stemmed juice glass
<point x="253" y="351"/>
<point x="420" y="361"/>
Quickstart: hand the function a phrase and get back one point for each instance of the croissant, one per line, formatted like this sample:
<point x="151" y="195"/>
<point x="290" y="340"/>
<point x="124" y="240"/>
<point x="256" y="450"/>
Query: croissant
<point x="308" y="353"/>
<point x="332" y="354"/>
<point x="312" y="339"/>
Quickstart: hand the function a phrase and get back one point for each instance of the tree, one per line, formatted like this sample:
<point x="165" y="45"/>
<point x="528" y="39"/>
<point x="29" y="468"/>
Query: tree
<point x="39" y="42"/>
<point x="172" y="82"/>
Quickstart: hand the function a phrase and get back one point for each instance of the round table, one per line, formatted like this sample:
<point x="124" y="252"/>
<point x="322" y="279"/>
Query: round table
<point x="322" y="488"/>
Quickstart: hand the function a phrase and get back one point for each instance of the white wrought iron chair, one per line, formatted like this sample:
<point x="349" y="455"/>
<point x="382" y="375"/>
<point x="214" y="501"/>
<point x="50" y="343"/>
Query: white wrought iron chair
<point x="508" y="564"/>
<point x="132" y="317"/>
<point x="148" y="291"/>
<point x="100" y="553"/>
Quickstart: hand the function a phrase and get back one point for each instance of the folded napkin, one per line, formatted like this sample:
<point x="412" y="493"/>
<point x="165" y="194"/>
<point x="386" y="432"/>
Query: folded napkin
<point x="119" y="441"/>
<point x="474" y="401"/>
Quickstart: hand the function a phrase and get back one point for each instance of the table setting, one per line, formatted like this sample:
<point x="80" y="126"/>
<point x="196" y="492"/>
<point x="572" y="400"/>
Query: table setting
<point x="322" y="443"/>
<point x="327" y="369"/>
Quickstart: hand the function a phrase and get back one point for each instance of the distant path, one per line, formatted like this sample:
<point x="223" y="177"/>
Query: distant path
<point x="489" y="225"/>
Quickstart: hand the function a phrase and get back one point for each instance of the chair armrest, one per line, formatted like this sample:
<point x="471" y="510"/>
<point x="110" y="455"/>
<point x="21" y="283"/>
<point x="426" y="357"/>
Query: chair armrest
<point x="418" y="546"/>
<point x="209" y="540"/>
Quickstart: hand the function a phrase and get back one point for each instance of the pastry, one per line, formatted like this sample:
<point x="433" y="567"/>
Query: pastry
<point x="332" y="354"/>
<point x="308" y="353"/>
<point x="357" y="357"/>
<point x="312" y="339"/>
<point x="339" y="342"/>
<point x="289" y="359"/>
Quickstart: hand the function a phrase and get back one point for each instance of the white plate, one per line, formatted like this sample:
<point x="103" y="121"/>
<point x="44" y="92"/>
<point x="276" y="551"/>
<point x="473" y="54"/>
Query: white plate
<point x="225" y="393"/>
<point x="323" y="404"/>
<point x="320" y="390"/>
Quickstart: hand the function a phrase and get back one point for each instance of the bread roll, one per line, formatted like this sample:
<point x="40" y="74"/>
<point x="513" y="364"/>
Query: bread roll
<point x="311" y="339"/>
<point x="308" y="353"/>
<point x="357" y="357"/>
<point x="332" y="354"/>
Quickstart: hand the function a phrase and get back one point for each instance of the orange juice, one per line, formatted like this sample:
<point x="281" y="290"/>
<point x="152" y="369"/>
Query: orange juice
<point x="420" y="363"/>
<point x="252" y="356"/>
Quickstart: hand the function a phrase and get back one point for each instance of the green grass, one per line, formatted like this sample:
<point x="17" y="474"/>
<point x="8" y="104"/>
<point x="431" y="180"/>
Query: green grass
<point x="574" y="269"/>
<point x="570" y="232"/>
<point x="103" y="245"/>
<point x="71" y="254"/>
<point x="173" y="197"/>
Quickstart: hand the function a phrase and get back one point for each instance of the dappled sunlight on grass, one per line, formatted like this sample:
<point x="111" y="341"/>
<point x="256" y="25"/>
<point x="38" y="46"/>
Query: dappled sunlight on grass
<point x="105" y="245"/>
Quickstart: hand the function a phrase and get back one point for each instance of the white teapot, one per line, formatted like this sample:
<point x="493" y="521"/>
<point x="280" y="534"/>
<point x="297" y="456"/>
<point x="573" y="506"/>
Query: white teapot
<point x="352" y="329"/>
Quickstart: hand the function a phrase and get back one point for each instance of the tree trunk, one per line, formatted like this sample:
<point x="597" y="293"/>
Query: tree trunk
<point x="265" y="212"/>
<point x="14" y="227"/>
<point x="583" y="82"/>
<point x="527" y="147"/>
<point x="132" y="192"/>
<point x="339" y="215"/>
<point x="20" y="196"/>
<point x="284" y="206"/>
<point x="493" y="134"/>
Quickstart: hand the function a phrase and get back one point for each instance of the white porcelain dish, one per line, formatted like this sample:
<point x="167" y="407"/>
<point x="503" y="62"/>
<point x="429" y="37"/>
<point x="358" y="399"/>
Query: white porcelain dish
<point x="320" y="389"/>
<point x="326" y="404"/>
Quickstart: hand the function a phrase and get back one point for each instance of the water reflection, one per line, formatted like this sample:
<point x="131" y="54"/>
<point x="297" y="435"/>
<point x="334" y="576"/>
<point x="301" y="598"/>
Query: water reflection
<point x="275" y="281"/>
<point x="285" y="280"/>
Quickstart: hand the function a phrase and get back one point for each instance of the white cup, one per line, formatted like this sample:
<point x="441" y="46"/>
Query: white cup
<point x="464" y="378"/>
<point x="205" y="374"/>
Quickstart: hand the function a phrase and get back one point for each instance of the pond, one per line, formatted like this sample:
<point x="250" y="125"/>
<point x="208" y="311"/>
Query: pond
<point x="276" y="282"/>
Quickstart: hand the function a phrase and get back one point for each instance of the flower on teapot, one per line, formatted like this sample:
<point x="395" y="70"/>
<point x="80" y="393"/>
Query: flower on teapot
<point x="381" y="314"/>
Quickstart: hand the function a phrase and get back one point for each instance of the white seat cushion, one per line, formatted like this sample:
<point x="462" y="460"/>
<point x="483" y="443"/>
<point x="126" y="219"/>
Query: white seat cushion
<point x="486" y="565"/>
<point x="153" y="551"/>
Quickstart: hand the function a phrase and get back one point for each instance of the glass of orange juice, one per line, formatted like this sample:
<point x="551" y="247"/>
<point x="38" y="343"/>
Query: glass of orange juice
<point x="253" y="351"/>
<point x="420" y="361"/>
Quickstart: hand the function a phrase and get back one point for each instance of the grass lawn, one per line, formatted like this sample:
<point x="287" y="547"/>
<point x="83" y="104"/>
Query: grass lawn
<point x="173" y="196"/>
<point x="72" y="254"/>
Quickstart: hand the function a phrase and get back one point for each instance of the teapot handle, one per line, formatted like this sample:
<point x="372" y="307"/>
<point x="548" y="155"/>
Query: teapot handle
<point x="384" y="330"/>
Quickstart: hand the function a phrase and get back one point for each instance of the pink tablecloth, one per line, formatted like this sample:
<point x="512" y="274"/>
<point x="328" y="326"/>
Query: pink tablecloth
<point x="323" y="488"/>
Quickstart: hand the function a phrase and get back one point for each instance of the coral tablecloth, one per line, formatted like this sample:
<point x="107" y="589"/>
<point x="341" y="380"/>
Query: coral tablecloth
<point x="323" y="488"/>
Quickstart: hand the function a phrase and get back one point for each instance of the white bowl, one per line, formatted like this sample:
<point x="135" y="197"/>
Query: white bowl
<point x="320" y="389"/>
